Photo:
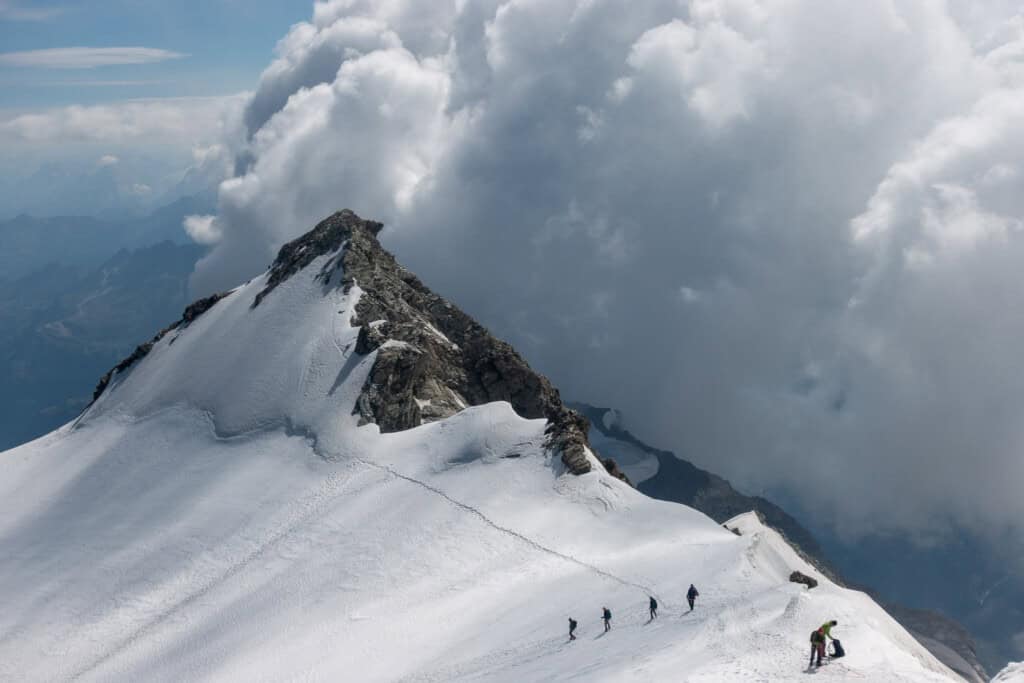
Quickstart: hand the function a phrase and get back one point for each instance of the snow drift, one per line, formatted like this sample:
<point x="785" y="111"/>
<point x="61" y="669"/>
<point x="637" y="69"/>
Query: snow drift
<point x="229" y="509"/>
<point x="1012" y="673"/>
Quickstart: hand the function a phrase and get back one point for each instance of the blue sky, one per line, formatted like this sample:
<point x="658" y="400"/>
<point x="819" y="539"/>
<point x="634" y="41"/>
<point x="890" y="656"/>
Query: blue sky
<point x="227" y="43"/>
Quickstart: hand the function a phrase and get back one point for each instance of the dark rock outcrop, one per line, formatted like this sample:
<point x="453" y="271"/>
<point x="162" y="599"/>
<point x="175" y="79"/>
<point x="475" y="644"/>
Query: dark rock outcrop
<point x="800" y="577"/>
<point x="197" y="308"/>
<point x="140" y="352"/>
<point x="191" y="312"/>
<point x="326" y="238"/>
<point x="432" y="359"/>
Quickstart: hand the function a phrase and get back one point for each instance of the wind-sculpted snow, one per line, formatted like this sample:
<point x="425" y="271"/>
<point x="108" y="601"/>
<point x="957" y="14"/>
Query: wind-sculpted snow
<point x="1013" y="673"/>
<point x="219" y="514"/>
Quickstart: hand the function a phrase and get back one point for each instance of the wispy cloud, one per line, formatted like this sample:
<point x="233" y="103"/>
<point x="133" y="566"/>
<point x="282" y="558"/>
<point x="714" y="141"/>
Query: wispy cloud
<point x="87" y="57"/>
<point x="185" y="120"/>
<point x="11" y="11"/>
<point x="103" y="84"/>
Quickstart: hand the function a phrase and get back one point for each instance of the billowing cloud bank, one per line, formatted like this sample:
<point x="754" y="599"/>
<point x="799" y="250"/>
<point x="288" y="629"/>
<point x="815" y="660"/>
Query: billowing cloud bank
<point x="784" y="235"/>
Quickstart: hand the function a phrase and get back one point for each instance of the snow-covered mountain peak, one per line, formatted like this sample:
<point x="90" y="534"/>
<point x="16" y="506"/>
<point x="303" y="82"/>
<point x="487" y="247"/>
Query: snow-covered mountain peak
<point x="330" y="473"/>
<point x="326" y="239"/>
<point x="409" y="356"/>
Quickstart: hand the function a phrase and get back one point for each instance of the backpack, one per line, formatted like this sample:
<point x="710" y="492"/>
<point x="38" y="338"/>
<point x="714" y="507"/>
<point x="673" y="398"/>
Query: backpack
<point x="654" y="604"/>
<point x="607" y="614"/>
<point x="817" y="636"/>
<point x="837" y="649"/>
<point x="572" y="624"/>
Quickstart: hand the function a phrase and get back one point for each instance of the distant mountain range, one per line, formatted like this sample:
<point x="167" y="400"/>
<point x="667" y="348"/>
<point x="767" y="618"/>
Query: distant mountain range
<point x="109" y="188"/>
<point x="28" y="243"/>
<point x="61" y="327"/>
<point x="76" y="294"/>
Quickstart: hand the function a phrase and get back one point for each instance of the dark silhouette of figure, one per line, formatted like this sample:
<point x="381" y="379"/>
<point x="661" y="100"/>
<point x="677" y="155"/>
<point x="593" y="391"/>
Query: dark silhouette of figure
<point x="606" y="614"/>
<point x="691" y="596"/>
<point x="654" y="608"/>
<point x="572" y="629"/>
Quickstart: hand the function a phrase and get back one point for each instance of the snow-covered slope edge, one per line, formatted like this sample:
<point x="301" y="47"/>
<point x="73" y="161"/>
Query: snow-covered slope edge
<point x="664" y="475"/>
<point x="220" y="513"/>
<point x="1013" y="673"/>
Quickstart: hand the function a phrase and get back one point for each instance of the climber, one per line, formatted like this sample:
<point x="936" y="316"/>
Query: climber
<point x="654" y="608"/>
<point x="691" y="596"/>
<point x="606" y="614"/>
<point x="817" y="647"/>
<point x="818" y="640"/>
<point x="572" y="629"/>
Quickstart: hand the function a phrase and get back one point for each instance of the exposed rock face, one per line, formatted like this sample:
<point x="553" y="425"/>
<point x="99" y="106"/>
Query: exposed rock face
<point x="197" y="308"/>
<point x="432" y="359"/>
<point x="800" y="577"/>
<point x="326" y="238"/>
<point x="192" y="311"/>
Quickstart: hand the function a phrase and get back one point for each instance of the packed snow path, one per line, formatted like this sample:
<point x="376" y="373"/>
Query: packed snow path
<point x="494" y="525"/>
<point x="219" y="515"/>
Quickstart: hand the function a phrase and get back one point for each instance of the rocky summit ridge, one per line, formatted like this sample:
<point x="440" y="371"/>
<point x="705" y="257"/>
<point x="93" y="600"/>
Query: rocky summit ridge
<point x="432" y="359"/>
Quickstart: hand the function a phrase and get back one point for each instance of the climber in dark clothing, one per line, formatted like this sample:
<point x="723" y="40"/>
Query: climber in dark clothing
<point x="572" y="629"/>
<point x="817" y="647"/>
<point x="691" y="596"/>
<point x="654" y="608"/>
<point x="818" y="639"/>
<point x="606" y="614"/>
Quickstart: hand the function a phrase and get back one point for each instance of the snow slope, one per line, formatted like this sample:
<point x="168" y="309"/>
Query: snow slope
<point x="1013" y="673"/>
<point x="218" y="515"/>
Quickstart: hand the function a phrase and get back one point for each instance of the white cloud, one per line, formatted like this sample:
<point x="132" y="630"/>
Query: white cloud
<point x="203" y="229"/>
<point x="107" y="160"/>
<point x="931" y="343"/>
<point x="689" y="295"/>
<point x="86" y="57"/>
<point x="167" y="121"/>
<point x="106" y="83"/>
<point x="14" y="11"/>
<point x="386" y="108"/>
<point x="771" y="160"/>
<point x="710" y="64"/>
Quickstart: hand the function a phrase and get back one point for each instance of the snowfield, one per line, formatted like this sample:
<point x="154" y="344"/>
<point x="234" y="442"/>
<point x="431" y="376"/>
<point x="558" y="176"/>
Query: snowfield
<point x="219" y="515"/>
<point x="1013" y="673"/>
